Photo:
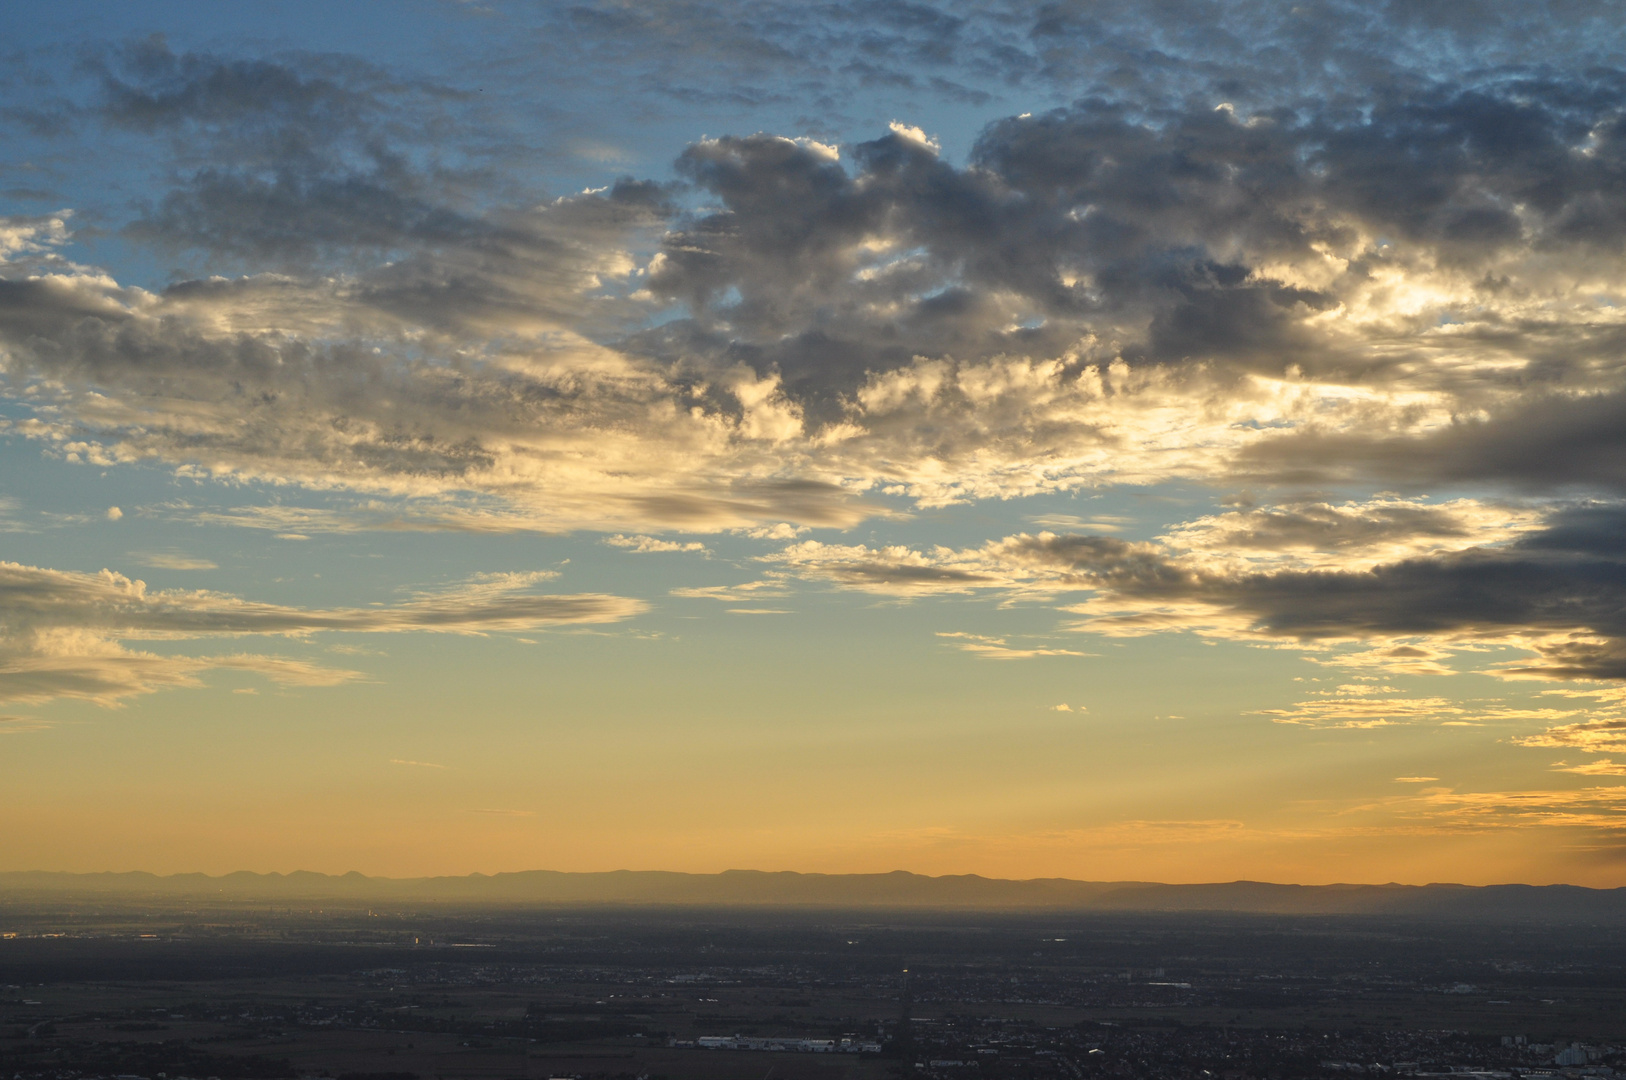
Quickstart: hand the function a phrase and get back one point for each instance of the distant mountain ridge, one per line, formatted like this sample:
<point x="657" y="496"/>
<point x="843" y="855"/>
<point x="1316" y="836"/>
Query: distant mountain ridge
<point x="899" y="889"/>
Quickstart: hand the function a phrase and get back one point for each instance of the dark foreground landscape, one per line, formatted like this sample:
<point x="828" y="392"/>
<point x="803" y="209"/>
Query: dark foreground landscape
<point x="114" y="984"/>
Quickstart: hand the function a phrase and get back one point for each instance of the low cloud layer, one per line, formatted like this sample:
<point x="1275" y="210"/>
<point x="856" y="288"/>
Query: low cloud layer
<point x="63" y="634"/>
<point x="1555" y="589"/>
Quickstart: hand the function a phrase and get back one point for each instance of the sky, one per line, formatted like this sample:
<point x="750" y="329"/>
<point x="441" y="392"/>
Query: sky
<point x="1176" y="440"/>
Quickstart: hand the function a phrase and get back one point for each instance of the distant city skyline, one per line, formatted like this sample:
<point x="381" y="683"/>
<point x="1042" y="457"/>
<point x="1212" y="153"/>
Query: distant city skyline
<point x="1174" y="442"/>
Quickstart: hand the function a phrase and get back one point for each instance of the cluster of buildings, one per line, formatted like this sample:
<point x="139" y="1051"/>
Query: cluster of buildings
<point x="804" y="1046"/>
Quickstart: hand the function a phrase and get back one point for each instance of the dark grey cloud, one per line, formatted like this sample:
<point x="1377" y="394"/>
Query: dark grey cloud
<point x="1545" y="443"/>
<point x="264" y="110"/>
<point x="1162" y="237"/>
<point x="1589" y="529"/>
<point x="1563" y="588"/>
<point x="298" y="160"/>
<point x="286" y="217"/>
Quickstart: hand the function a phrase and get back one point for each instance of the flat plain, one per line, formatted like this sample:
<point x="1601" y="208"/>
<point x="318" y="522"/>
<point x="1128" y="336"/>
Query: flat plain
<point x="250" y="991"/>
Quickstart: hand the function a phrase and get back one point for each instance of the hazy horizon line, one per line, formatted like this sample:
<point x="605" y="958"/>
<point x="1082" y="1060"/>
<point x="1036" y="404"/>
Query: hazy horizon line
<point x="897" y="873"/>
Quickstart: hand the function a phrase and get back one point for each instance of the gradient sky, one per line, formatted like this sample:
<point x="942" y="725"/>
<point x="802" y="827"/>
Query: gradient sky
<point x="1116" y="440"/>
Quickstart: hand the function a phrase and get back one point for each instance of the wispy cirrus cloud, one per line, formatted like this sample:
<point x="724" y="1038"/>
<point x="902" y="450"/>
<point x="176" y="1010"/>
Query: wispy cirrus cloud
<point x="999" y="648"/>
<point x="12" y="724"/>
<point x="1348" y="710"/>
<point x="766" y="588"/>
<point x="174" y="560"/>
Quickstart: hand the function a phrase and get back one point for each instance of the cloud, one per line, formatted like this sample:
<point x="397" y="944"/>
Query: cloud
<point x="894" y="570"/>
<point x="1605" y="767"/>
<point x="782" y="530"/>
<point x="1559" y="603"/>
<point x="547" y="433"/>
<point x="910" y="133"/>
<point x="18" y="725"/>
<point x="1351" y="535"/>
<point x="1411" y="657"/>
<point x="1099" y="523"/>
<point x="1352" y="711"/>
<point x="1348" y="249"/>
<point x="287" y="159"/>
<point x="63" y="633"/>
<point x="173" y="560"/>
<point x="750" y="591"/>
<point x="114" y="513"/>
<point x="645" y="545"/>
<point x="1604" y="735"/>
<point x="996" y="648"/>
<point x="416" y="764"/>
<point x="1471" y="576"/>
<point x="1539" y="442"/>
<point x="1596" y="808"/>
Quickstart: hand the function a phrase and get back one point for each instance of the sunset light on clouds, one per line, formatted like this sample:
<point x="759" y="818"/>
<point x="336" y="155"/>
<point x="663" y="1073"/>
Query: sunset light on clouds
<point x="1114" y="441"/>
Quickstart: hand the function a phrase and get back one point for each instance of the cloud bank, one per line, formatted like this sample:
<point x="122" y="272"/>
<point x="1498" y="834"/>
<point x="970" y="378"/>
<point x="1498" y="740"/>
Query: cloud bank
<point x="1422" y="291"/>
